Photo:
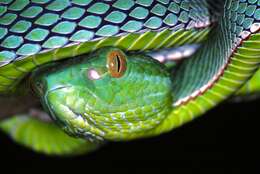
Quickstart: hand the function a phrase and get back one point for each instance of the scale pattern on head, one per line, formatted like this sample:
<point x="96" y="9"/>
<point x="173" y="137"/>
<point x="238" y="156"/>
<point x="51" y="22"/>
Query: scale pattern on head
<point x="110" y="94"/>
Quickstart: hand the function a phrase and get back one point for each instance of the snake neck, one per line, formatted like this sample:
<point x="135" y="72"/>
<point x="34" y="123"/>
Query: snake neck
<point x="205" y="67"/>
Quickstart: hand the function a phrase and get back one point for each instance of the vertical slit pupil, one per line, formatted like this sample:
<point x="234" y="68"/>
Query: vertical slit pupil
<point x="118" y="63"/>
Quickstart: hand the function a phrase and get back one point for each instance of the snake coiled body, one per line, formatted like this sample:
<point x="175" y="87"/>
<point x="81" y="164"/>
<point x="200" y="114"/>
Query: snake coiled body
<point x="35" y="35"/>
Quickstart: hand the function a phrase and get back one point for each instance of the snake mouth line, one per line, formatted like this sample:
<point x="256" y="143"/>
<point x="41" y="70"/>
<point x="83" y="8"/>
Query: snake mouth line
<point x="46" y="103"/>
<point x="77" y="117"/>
<point x="87" y="133"/>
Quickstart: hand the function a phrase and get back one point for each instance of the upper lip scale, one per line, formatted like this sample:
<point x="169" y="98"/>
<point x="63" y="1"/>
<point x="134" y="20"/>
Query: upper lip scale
<point x="47" y="103"/>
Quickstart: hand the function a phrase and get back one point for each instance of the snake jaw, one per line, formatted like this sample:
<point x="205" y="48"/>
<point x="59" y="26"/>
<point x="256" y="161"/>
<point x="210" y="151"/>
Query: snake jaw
<point x="71" y="121"/>
<point x="79" y="117"/>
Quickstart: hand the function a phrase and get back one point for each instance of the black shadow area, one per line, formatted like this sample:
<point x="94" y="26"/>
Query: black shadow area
<point x="225" y="136"/>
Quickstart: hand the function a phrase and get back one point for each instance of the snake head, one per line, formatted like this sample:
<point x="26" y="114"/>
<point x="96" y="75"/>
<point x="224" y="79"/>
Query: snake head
<point x="109" y="94"/>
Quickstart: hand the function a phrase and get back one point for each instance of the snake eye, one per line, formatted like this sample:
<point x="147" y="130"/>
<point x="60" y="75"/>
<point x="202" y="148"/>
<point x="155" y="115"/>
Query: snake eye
<point x="116" y="62"/>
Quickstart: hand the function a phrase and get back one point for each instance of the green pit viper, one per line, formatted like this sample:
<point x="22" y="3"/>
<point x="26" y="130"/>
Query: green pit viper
<point x="89" y="65"/>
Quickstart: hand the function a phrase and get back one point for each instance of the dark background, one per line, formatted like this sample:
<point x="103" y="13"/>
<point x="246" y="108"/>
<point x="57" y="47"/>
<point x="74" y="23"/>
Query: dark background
<point x="228" y="135"/>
